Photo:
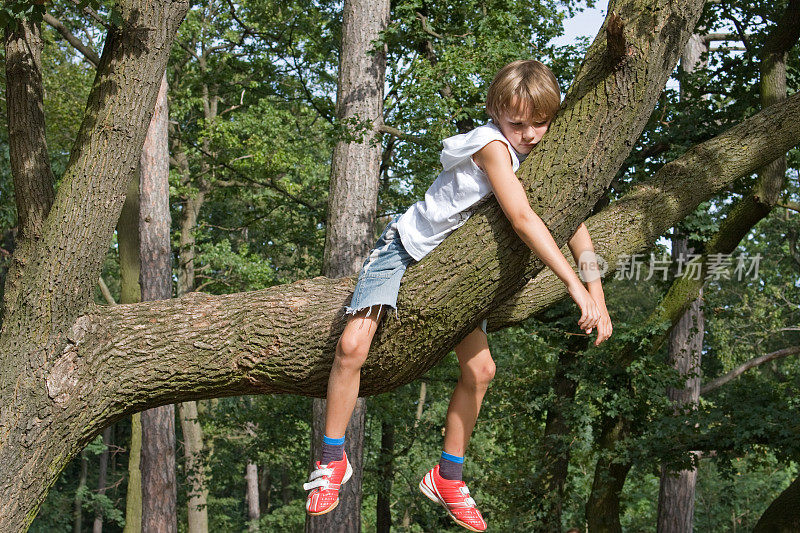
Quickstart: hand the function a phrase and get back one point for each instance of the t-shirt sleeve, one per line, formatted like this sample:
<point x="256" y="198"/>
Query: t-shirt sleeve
<point x="459" y="148"/>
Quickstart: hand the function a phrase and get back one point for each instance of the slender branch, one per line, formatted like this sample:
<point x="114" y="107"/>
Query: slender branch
<point x="744" y="367"/>
<point x="270" y="184"/>
<point x="93" y="14"/>
<point x="106" y="293"/>
<point x="89" y="54"/>
<point x="793" y="206"/>
<point x="416" y="139"/>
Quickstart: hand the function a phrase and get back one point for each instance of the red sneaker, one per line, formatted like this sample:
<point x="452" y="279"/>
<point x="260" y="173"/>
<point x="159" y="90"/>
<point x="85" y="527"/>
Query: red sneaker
<point x="324" y="484"/>
<point x="454" y="497"/>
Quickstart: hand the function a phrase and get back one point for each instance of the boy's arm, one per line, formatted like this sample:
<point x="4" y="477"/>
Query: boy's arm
<point x="580" y="244"/>
<point x="495" y="160"/>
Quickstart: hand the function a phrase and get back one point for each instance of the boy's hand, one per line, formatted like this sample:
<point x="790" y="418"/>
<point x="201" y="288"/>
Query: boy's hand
<point x="590" y="311"/>
<point x="604" y="327"/>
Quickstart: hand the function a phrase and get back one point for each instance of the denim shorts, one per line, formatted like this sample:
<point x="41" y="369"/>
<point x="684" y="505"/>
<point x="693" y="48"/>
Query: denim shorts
<point x="379" y="279"/>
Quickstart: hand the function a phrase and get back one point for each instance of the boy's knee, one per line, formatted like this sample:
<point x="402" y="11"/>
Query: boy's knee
<point x="480" y="375"/>
<point x="351" y="351"/>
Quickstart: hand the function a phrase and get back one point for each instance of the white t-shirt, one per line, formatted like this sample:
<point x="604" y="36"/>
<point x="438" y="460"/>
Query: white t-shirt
<point x="452" y="198"/>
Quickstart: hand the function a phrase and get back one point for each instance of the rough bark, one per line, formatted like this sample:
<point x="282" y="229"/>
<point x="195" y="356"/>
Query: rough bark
<point x="253" y="511"/>
<point x="677" y="489"/>
<point x="352" y="204"/>
<point x="783" y="514"/>
<point x="27" y="145"/>
<point x="159" y="485"/>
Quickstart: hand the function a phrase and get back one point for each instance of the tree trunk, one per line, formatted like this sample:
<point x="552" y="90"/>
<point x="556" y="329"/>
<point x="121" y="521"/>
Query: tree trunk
<point x="77" y="507"/>
<point x="194" y="457"/>
<point x="102" y="480"/>
<point x="253" y="511"/>
<point x="352" y="203"/>
<point x="383" y="509"/>
<point x="27" y="145"/>
<point x="159" y="487"/>
<point x="133" y="499"/>
<point x="783" y="514"/>
<point x="349" y="519"/>
<point x="555" y="447"/>
<point x="603" y="506"/>
<point x="130" y="292"/>
<point x="676" y="490"/>
<point x="264" y="487"/>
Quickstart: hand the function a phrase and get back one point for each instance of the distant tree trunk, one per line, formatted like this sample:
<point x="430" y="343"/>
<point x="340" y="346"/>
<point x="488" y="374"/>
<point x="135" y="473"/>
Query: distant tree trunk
<point x="77" y="508"/>
<point x="264" y="486"/>
<point x="102" y="479"/>
<point x="159" y="485"/>
<point x="783" y="514"/>
<point x="383" y="509"/>
<point x="555" y="450"/>
<point x="253" y="511"/>
<point x="603" y="505"/>
<point x="676" y="492"/>
<point x="286" y="487"/>
<point x="352" y="203"/>
<point x="130" y="292"/>
<point x="133" y="499"/>
<point x="194" y="458"/>
<point x="423" y="392"/>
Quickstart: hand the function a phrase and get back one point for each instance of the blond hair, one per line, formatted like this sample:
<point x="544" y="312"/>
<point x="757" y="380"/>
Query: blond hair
<point x="531" y="83"/>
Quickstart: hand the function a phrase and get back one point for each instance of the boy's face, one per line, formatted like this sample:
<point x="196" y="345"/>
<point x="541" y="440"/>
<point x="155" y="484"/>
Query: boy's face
<point x="522" y="131"/>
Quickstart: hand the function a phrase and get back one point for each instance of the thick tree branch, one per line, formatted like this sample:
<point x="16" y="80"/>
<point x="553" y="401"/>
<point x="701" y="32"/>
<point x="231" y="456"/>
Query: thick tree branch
<point x="27" y="144"/>
<point x="744" y="367"/>
<point x="269" y="341"/>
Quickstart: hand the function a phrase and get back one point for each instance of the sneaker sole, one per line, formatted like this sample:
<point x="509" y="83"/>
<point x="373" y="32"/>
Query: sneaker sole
<point x="432" y="496"/>
<point x="347" y="475"/>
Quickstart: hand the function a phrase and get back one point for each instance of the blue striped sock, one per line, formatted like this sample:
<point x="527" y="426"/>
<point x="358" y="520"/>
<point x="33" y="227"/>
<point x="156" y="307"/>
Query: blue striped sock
<point x="332" y="449"/>
<point x="450" y="466"/>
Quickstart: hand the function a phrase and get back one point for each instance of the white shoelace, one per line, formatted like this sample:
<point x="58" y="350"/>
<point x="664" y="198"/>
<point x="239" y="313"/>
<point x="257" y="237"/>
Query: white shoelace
<point x="465" y="491"/>
<point x="316" y="479"/>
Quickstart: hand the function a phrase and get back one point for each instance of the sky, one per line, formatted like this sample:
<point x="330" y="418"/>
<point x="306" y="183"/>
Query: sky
<point x="585" y="23"/>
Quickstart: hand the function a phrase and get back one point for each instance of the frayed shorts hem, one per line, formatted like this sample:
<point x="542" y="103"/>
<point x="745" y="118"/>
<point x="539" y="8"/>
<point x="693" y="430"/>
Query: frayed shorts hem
<point x="353" y="310"/>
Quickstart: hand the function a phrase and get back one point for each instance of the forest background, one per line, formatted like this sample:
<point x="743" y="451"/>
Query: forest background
<point x="253" y="124"/>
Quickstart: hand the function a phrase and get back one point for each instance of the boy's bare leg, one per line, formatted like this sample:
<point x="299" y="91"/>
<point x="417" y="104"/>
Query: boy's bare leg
<point x="345" y="378"/>
<point x="477" y="370"/>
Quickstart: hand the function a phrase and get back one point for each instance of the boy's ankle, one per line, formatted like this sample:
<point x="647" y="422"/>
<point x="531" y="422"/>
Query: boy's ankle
<point x="451" y="466"/>
<point x="332" y="449"/>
